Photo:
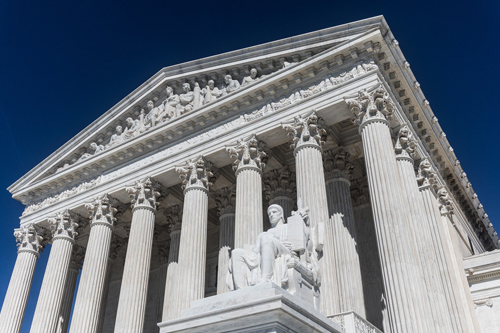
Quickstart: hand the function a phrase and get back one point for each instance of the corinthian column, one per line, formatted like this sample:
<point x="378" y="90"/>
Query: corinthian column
<point x="400" y="270"/>
<point x="190" y="279"/>
<point x="249" y="163"/>
<point x="342" y="233"/>
<point x="448" y="284"/>
<point x="92" y="282"/>
<point x="307" y="141"/>
<point x="47" y="312"/>
<point x="69" y="290"/>
<point x="226" y="201"/>
<point x="134" y="289"/>
<point x="429" y="268"/>
<point x="280" y="189"/>
<point x="16" y="298"/>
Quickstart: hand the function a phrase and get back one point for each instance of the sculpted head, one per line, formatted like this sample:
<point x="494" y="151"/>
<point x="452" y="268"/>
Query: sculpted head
<point x="93" y="145"/>
<point x="170" y="91"/>
<point x="151" y="105"/>
<point x="211" y="84"/>
<point x="129" y="121"/>
<point x="228" y="79"/>
<point x="186" y="87"/>
<point x="253" y="73"/>
<point x="276" y="214"/>
<point x="119" y="129"/>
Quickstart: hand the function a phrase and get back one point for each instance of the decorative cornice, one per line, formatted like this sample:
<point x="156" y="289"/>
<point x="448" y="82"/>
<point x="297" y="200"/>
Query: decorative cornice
<point x="144" y="194"/>
<point x="195" y="173"/>
<point x="28" y="239"/>
<point x="406" y="144"/>
<point x="280" y="183"/>
<point x="101" y="211"/>
<point x="305" y="131"/>
<point x="225" y="199"/>
<point x="63" y="226"/>
<point x="249" y="153"/>
<point x="370" y="106"/>
<point x="337" y="164"/>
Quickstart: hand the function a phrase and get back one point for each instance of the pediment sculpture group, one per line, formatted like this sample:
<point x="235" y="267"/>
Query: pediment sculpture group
<point x="173" y="106"/>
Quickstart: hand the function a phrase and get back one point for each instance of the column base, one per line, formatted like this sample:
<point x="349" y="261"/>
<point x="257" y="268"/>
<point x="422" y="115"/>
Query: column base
<point x="264" y="307"/>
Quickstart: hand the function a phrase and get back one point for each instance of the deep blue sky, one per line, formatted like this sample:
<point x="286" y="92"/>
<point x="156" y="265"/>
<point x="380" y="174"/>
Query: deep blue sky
<point x="63" y="64"/>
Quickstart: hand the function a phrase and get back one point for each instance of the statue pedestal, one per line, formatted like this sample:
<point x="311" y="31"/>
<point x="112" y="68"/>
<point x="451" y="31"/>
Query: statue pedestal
<point x="261" y="308"/>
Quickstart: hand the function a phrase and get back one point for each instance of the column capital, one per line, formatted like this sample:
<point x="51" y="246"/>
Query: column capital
<point x="101" y="211"/>
<point x="144" y="194"/>
<point x="371" y="105"/>
<point x="406" y="144"/>
<point x="426" y="175"/>
<point x="249" y="153"/>
<point x="445" y="202"/>
<point x="77" y="257"/>
<point x="64" y="225"/>
<point x="196" y="173"/>
<point x="28" y="239"/>
<point x="305" y="131"/>
<point x="280" y="183"/>
<point x="174" y="218"/>
<point x="225" y="199"/>
<point x="337" y="164"/>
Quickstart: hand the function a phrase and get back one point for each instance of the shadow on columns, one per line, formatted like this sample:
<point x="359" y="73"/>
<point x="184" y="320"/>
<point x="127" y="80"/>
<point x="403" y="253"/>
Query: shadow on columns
<point x="371" y="272"/>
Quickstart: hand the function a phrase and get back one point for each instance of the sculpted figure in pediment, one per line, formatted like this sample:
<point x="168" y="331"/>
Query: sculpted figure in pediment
<point x="231" y="85"/>
<point x="155" y="115"/>
<point x="134" y="128"/>
<point x="172" y="104"/>
<point x="116" y="138"/>
<point x="187" y="98"/>
<point x="210" y="92"/>
<point x="250" y="79"/>
<point x="93" y="147"/>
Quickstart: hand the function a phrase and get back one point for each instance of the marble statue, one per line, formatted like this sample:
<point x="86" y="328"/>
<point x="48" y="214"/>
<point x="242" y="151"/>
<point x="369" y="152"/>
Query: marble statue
<point x="172" y="104"/>
<point x="93" y="147"/>
<point x="116" y="138"/>
<point x="231" y="85"/>
<point x="251" y="78"/>
<point x="155" y="115"/>
<point x="210" y="92"/>
<point x="284" y="247"/>
<point x="187" y="98"/>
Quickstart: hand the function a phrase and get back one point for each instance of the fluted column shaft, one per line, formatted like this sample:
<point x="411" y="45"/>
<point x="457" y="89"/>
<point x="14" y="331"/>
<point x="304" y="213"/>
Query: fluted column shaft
<point x="399" y="264"/>
<point x="450" y="286"/>
<point x="341" y="230"/>
<point x="132" y="302"/>
<point x="69" y="294"/>
<point x="48" y="307"/>
<point x="226" y="233"/>
<point x="90" y="295"/>
<point x="192" y="250"/>
<point x="16" y="298"/>
<point x="175" y="240"/>
<point x="104" y="299"/>
<point x="434" y="305"/>
<point x="248" y="216"/>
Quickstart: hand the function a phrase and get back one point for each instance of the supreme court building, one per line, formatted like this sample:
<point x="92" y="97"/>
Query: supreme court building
<point x="302" y="185"/>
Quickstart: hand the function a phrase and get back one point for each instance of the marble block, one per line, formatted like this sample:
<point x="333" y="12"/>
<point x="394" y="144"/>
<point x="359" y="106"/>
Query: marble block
<point x="261" y="308"/>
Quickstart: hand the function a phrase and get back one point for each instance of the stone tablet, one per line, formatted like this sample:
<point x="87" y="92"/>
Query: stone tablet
<point x="295" y="233"/>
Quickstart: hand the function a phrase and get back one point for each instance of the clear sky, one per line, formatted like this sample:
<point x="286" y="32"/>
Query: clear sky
<point x="63" y="64"/>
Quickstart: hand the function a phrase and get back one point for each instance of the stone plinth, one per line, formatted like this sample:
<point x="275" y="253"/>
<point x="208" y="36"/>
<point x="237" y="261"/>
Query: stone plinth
<point x="261" y="308"/>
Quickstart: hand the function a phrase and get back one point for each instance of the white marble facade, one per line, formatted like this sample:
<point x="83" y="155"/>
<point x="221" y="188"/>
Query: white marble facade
<point x="172" y="196"/>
